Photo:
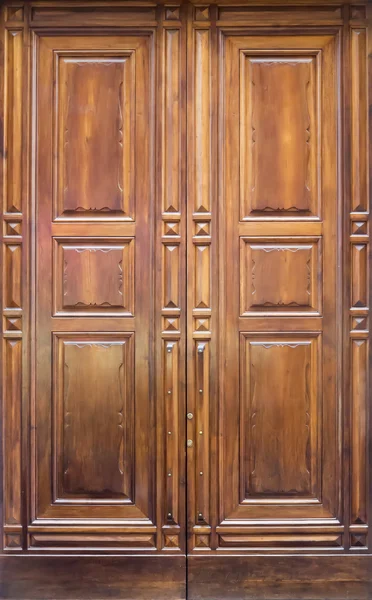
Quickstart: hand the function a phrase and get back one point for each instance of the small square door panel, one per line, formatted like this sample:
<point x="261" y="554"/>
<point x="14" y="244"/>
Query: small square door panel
<point x="280" y="275"/>
<point x="94" y="277"/>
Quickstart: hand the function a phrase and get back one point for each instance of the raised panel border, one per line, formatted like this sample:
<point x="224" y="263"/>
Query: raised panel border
<point x="314" y="213"/>
<point x="126" y="130"/>
<point x="125" y="275"/>
<point x="59" y="339"/>
<point x="279" y="339"/>
<point x="314" y="244"/>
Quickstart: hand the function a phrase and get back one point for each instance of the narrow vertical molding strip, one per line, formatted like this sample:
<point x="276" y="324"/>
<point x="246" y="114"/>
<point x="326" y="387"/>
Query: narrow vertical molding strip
<point x="359" y="310"/>
<point x="202" y="432"/>
<point x="171" y="379"/>
<point x="202" y="121"/>
<point x="13" y="121"/>
<point x="172" y="301"/>
<point x="200" y="274"/>
<point x="12" y="303"/>
<point x="359" y="431"/>
<point x="359" y="178"/>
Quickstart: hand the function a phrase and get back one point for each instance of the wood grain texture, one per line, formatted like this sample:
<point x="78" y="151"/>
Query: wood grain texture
<point x="360" y="291"/>
<point x="94" y="136"/>
<point x="279" y="103"/>
<point x="267" y="277"/>
<point x="13" y="280"/>
<point x="185" y="299"/>
<point x="94" y="276"/>
<point x="92" y="578"/>
<point x="93" y="397"/>
<point x="279" y="577"/>
<point x="279" y="418"/>
<point x="264" y="425"/>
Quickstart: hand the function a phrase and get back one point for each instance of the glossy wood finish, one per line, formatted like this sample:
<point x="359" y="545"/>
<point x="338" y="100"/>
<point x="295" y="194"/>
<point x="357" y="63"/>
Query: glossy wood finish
<point x="279" y="577"/>
<point x="185" y="300"/>
<point x="286" y="463"/>
<point x="93" y="300"/>
<point x="92" y="578"/>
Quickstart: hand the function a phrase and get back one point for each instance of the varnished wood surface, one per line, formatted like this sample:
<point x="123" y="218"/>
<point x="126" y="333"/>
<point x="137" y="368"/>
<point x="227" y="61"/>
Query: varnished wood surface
<point x="185" y="300"/>
<point x="279" y="578"/>
<point x="92" y="578"/>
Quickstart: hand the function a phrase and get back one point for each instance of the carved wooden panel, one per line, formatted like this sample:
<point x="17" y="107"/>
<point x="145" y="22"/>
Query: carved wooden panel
<point x="279" y="445"/>
<point x="12" y="357"/>
<point x="13" y="122"/>
<point x="95" y="412"/>
<point x="13" y="278"/>
<point x="359" y="275"/>
<point x="279" y="245"/>
<point x="107" y="460"/>
<point x="202" y="276"/>
<point x="94" y="276"/>
<point x="57" y="541"/>
<point x="171" y="393"/>
<point x="277" y="541"/>
<point x="171" y="281"/>
<point x="202" y="429"/>
<point x="280" y="275"/>
<point x="279" y="98"/>
<point x="94" y="136"/>
<point x="359" y="370"/>
<point x="94" y="417"/>
<point x="359" y="164"/>
<point x="279" y="14"/>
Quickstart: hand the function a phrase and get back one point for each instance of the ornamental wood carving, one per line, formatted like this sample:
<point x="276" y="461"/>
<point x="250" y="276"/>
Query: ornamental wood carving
<point x="185" y="299"/>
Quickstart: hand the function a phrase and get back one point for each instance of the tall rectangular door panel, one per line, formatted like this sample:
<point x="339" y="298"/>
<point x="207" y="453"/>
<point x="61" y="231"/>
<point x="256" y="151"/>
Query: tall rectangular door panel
<point x="96" y="440"/>
<point x="278" y="498"/>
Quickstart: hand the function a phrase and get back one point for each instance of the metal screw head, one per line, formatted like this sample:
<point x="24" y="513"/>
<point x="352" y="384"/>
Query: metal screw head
<point x="190" y="443"/>
<point x="190" y="416"/>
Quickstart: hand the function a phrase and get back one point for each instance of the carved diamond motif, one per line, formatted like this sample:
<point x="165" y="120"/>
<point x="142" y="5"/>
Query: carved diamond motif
<point x="358" y="541"/>
<point x="202" y="541"/>
<point x="202" y="13"/>
<point x="172" y="13"/>
<point x="171" y="541"/>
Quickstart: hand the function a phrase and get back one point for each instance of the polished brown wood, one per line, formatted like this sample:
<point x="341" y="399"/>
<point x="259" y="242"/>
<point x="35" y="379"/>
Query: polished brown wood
<point x="93" y="578"/>
<point x="278" y="180"/>
<point x="93" y="298"/>
<point x="185" y="299"/>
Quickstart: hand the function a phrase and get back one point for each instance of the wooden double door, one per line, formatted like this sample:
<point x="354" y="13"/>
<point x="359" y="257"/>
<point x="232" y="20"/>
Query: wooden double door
<point x="185" y="243"/>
